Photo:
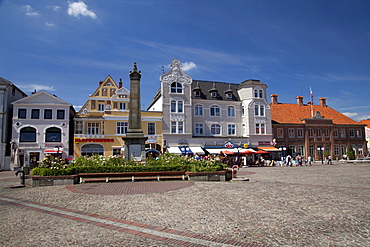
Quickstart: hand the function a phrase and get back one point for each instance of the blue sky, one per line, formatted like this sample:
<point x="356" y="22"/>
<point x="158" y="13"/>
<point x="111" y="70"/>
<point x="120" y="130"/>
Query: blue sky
<point x="67" y="47"/>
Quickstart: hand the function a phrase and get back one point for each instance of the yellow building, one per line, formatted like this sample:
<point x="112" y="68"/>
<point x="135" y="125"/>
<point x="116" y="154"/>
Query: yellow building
<point x="103" y="120"/>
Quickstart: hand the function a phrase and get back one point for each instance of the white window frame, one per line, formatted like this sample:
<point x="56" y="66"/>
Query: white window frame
<point x="215" y="111"/>
<point x="176" y="88"/>
<point x="93" y="128"/>
<point x="231" y="129"/>
<point x="122" y="106"/>
<point x="151" y="127"/>
<point x="198" y="110"/>
<point x="198" y="129"/>
<point x="300" y="133"/>
<point x="215" y="129"/>
<point x="121" y="128"/>
<point x="177" y="106"/>
<point x="230" y="111"/>
<point x="291" y="133"/>
<point x="177" y="127"/>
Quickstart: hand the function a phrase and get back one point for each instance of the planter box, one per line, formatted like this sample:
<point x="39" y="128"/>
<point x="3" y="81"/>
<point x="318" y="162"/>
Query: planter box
<point x="40" y="181"/>
<point x="209" y="176"/>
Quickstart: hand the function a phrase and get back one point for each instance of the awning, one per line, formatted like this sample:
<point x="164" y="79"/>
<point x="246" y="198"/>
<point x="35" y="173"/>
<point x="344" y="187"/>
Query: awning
<point x="52" y="151"/>
<point x="184" y="150"/>
<point x="269" y="149"/>
<point x="174" y="150"/>
<point x="197" y="150"/>
<point x="230" y="150"/>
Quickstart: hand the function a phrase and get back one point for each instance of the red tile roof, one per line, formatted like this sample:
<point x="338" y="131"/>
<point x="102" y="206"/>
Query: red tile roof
<point x="294" y="113"/>
<point x="367" y="122"/>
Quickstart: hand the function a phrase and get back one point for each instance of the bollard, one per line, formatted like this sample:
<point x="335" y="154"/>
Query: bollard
<point x="21" y="176"/>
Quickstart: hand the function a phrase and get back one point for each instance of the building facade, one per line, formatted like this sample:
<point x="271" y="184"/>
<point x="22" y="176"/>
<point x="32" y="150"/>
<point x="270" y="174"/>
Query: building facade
<point x="206" y="114"/>
<point x="103" y="122"/>
<point x="315" y="130"/>
<point x="42" y="125"/>
<point x="8" y="94"/>
<point x="367" y="133"/>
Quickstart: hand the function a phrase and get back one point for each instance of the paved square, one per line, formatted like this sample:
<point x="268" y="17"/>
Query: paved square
<point x="281" y="206"/>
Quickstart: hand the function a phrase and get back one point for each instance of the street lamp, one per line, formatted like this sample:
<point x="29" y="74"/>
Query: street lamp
<point x="321" y="148"/>
<point x="282" y="150"/>
<point x="57" y="149"/>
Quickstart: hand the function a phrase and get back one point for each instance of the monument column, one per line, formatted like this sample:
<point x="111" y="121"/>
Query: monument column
<point x="135" y="139"/>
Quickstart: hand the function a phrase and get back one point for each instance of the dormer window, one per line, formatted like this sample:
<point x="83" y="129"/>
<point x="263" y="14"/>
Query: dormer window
<point x="229" y="95"/>
<point x="197" y="93"/>
<point x="176" y="87"/>
<point x="214" y="94"/>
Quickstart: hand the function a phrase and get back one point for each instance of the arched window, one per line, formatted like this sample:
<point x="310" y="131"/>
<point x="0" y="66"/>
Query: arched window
<point x="176" y="87"/>
<point x="215" y="129"/>
<point x="91" y="149"/>
<point x="261" y="94"/>
<point x="53" y="135"/>
<point x="27" y="134"/>
<point x="231" y="111"/>
<point x="214" y="111"/>
<point x="198" y="110"/>
<point x="255" y="93"/>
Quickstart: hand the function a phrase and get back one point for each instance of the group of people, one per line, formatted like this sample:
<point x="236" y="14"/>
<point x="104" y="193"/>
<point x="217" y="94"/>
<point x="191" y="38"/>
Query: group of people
<point x="299" y="160"/>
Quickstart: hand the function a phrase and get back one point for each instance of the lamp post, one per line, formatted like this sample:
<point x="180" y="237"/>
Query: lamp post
<point x="58" y="148"/>
<point x="282" y="150"/>
<point x="321" y="149"/>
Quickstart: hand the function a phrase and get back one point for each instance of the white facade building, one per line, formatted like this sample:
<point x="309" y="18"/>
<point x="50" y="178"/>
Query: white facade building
<point x="205" y="114"/>
<point x="41" y="126"/>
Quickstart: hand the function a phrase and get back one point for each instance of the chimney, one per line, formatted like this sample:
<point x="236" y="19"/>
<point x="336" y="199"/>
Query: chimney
<point x="100" y="82"/>
<point x="120" y="82"/>
<point x="274" y="99"/>
<point x="323" y="102"/>
<point x="299" y="100"/>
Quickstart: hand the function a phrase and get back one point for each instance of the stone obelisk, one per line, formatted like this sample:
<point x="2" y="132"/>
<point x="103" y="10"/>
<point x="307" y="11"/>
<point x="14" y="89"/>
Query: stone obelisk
<point x="135" y="139"/>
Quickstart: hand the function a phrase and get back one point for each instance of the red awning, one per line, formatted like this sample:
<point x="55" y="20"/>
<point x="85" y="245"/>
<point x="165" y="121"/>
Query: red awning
<point x="51" y="151"/>
<point x="261" y="152"/>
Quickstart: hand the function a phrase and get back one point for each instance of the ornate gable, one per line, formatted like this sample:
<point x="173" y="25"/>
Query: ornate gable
<point x="176" y="74"/>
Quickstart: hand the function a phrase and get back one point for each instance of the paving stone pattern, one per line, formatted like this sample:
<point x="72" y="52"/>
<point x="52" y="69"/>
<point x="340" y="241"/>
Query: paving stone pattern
<point x="320" y="205"/>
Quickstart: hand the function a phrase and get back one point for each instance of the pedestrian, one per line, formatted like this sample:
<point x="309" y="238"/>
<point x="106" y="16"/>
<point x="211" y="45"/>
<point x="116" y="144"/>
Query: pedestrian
<point x="289" y="160"/>
<point x="309" y="160"/>
<point x="299" y="160"/>
<point x="329" y="160"/>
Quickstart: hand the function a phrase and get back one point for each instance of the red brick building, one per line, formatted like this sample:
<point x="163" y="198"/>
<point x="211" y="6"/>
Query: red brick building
<point x="315" y="130"/>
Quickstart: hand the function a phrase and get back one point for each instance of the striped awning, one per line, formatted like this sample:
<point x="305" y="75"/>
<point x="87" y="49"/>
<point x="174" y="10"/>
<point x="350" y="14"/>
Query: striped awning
<point x="269" y="149"/>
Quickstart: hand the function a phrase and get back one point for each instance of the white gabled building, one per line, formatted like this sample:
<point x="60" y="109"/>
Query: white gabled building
<point x="42" y="124"/>
<point x="207" y="114"/>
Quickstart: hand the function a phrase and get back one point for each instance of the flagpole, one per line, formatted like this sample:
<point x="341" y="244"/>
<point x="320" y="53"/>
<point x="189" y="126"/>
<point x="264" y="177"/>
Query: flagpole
<point x="311" y="95"/>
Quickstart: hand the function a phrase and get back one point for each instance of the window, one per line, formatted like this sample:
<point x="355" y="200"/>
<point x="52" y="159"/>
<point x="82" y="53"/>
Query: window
<point x="319" y="132"/>
<point x="244" y="129"/>
<point x="229" y="95"/>
<point x="35" y="113"/>
<point x="176" y="106"/>
<point x="280" y="132"/>
<point x="262" y="110"/>
<point x="215" y="111"/>
<point x="48" y="114"/>
<point x="231" y="111"/>
<point x="199" y="129"/>
<point x="300" y="133"/>
<point x="243" y="110"/>
<point x="255" y="93"/>
<point x="176" y="87"/>
<point x="359" y="149"/>
<point x="301" y="150"/>
<point x="262" y="128"/>
<point x="60" y="114"/>
<point x="344" y="149"/>
<point x="311" y="150"/>
<point x="257" y="128"/>
<point x="151" y="128"/>
<point x="311" y="132"/>
<point x="256" y="110"/>
<point x="177" y="127"/>
<point x="359" y="133"/>
<point x="342" y="133"/>
<point x="231" y="129"/>
<point x="198" y="110"/>
<point x="116" y="151"/>
<point x="291" y="133"/>
<point x="352" y="133"/>
<point x="327" y="133"/>
<point x="214" y="94"/>
<point x="27" y="134"/>
<point x="122" y="128"/>
<point x="292" y="149"/>
<point x="53" y="135"/>
<point x="122" y="106"/>
<point x="100" y="107"/>
<point x="91" y="149"/>
<point x="197" y="93"/>
<point x="93" y="128"/>
<point x="335" y="133"/>
<point x="215" y="129"/>
<point x="260" y="94"/>
<point x="22" y="113"/>
<point x="336" y="149"/>
<point x="79" y="127"/>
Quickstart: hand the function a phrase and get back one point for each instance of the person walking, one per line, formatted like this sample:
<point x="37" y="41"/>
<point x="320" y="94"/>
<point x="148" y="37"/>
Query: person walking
<point x="309" y="160"/>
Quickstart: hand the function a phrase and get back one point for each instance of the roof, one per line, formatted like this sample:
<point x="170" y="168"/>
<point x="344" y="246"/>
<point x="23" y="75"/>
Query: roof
<point x="294" y="114"/>
<point x="367" y="122"/>
<point x="221" y="87"/>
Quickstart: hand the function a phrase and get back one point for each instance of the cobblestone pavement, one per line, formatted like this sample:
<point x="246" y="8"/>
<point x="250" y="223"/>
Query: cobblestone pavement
<point x="322" y="205"/>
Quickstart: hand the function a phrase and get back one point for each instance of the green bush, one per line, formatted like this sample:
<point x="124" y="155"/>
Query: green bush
<point x="100" y="164"/>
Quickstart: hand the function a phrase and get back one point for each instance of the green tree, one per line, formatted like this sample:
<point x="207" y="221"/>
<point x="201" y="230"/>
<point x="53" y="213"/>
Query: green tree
<point x="351" y="154"/>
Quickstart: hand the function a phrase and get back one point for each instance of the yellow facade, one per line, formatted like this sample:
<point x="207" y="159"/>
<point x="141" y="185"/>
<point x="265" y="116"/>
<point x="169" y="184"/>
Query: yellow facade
<point x="103" y="121"/>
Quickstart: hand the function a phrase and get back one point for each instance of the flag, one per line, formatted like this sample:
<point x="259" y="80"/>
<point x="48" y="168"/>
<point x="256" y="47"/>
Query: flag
<point x="311" y="95"/>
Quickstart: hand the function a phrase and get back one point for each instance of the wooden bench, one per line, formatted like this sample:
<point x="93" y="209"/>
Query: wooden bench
<point x="130" y="176"/>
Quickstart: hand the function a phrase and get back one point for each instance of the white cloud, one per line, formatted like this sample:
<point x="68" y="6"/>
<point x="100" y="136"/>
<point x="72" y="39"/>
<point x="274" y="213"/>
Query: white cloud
<point x="29" y="10"/>
<point x="49" y="24"/>
<point x="37" y="87"/>
<point x="188" y="66"/>
<point x="80" y="8"/>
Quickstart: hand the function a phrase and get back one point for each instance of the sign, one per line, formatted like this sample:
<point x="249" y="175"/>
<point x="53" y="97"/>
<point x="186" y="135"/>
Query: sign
<point x="94" y="140"/>
<point x="245" y="145"/>
<point x="151" y="140"/>
<point x="229" y="144"/>
<point x="264" y="143"/>
<point x="183" y="141"/>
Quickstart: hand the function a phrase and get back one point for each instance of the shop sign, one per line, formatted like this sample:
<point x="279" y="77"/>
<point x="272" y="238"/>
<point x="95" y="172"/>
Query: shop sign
<point x="94" y="140"/>
<point x="183" y="142"/>
<point x="264" y="143"/>
<point x="151" y="140"/>
<point x="229" y="144"/>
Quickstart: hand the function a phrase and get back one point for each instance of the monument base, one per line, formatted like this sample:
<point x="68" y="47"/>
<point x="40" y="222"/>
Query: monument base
<point x="135" y="148"/>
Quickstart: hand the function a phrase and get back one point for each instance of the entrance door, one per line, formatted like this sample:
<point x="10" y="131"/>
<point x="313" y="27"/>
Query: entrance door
<point x="34" y="158"/>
